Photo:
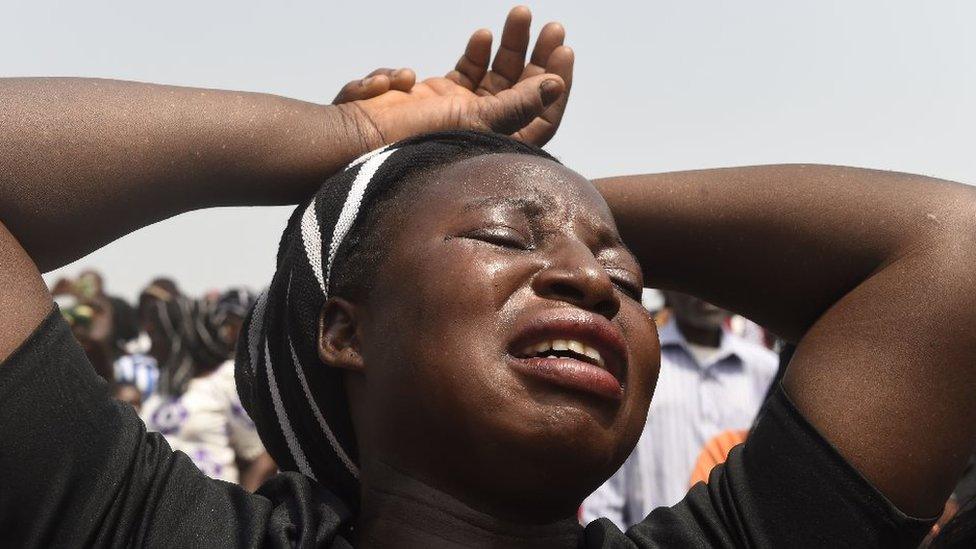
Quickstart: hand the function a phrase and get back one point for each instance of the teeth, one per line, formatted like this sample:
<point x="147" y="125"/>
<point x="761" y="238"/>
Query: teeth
<point x="594" y="354"/>
<point x="540" y="349"/>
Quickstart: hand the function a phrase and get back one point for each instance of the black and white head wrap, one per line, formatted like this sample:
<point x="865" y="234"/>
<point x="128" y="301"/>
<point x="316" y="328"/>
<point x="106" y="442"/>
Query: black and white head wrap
<point x="299" y="404"/>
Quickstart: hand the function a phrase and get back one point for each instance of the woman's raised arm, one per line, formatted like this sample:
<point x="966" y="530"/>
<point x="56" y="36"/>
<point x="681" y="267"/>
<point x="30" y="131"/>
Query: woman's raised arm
<point x="84" y="161"/>
<point x="873" y="272"/>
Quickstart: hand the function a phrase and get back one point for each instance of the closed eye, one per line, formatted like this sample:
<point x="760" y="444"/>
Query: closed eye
<point x="501" y="236"/>
<point x="626" y="284"/>
<point x="632" y="291"/>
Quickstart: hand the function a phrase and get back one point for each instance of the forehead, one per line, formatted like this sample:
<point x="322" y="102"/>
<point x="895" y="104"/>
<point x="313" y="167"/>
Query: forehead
<point x="517" y="179"/>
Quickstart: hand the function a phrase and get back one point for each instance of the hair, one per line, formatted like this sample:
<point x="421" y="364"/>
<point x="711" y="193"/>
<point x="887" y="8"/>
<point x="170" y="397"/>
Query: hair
<point x="233" y="303"/>
<point x="125" y="322"/>
<point x="333" y="244"/>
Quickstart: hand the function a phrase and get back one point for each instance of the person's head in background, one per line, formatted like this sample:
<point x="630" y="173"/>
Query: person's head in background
<point x="90" y="284"/>
<point x="125" y="323"/>
<point x="91" y="324"/>
<point x="700" y="322"/>
<point x="127" y="392"/>
<point x="154" y="318"/>
<point x="231" y="309"/>
<point x="183" y="334"/>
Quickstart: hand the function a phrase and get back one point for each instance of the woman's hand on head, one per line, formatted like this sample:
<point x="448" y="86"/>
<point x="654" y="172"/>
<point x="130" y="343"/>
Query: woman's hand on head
<point x="524" y="100"/>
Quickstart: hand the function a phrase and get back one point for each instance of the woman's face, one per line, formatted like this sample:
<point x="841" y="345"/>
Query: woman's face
<point x="507" y="358"/>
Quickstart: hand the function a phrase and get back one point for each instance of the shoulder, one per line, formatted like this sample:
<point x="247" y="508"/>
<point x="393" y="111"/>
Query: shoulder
<point x="223" y="379"/>
<point x="218" y="383"/>
<point x="764" y="495"/>
<point x="303" y="510"/>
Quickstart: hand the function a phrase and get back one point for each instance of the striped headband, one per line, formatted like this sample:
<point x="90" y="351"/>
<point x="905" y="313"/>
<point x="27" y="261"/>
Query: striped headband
<point x="298" y="403"/>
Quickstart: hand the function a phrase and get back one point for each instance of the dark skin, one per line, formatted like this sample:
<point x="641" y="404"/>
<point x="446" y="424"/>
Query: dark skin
<point x="872" y="272"/>
<point x="505" y="239"/>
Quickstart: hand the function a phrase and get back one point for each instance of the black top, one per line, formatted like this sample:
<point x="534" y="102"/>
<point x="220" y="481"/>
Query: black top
<point x="79" y="469"/>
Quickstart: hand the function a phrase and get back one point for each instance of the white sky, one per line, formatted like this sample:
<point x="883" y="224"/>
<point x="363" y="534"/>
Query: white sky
<point x="660" y="85"/>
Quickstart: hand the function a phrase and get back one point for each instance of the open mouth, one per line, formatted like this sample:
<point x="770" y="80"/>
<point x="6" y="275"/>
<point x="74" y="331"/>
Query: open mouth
<point x="574" y="352"/>
<point x="564" y="348"/>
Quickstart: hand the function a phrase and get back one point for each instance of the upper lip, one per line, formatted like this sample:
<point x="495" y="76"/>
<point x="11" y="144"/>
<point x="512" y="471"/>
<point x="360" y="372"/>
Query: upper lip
<point x="575" y="324"/>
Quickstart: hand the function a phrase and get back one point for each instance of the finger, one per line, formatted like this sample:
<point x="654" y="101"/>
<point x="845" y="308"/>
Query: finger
<point x="402" y="79"/>
<point x="551" y="37"/>
<point x="473" y="65"/>
<point x="540" y="131"/>
<point x="514" y="108"/>
<point x="561" y="63"/>
<point x="354" y="91"/>
<point x="366" y="88"/>
<point x="510" y="58"/>
<point x="383" y="70"/>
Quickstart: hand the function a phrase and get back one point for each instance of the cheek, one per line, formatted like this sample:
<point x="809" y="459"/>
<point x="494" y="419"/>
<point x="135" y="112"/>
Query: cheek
<point x="462" y="293"/>
<point x="644" y="362"/>
<point x="444" y="328"/>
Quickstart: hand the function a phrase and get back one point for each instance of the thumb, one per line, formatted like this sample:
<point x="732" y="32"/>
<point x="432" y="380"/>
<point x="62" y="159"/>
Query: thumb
<point x="514" y="108"/>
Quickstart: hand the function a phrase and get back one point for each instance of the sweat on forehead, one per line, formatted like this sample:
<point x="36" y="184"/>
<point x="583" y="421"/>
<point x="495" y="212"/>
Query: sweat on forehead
<point x="523" y="182"/>
<point x="509" y="171"/>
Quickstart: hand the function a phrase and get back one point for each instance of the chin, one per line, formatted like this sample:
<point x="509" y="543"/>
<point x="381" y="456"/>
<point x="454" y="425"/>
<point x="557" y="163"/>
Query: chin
<point x="567" y="440"/>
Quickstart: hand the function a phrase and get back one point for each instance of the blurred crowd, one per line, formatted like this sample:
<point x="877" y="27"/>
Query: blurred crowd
<point x="171" y="357"/>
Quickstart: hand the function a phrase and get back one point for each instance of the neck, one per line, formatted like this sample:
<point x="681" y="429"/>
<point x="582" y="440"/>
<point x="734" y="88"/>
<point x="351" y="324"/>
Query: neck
<point x="706" y="337"/>
<point x="400" y="510"/>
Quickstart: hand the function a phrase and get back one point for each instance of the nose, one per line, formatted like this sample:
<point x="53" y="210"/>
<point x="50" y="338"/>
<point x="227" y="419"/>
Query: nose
<point x="576" y="277"/>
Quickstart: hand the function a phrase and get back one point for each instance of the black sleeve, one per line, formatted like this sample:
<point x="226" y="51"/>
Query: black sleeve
<point x="785" y="487"/>
<point x="79" y="469"/>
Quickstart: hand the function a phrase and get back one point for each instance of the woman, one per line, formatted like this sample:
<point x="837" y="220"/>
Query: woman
<point x="481" y="315"/>
<point x="196" y="407"/>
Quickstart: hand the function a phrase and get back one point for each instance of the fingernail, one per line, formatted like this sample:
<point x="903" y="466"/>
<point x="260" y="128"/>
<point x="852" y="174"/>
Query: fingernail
<point x="550" y="90"/>
<point x="366" y="81"/>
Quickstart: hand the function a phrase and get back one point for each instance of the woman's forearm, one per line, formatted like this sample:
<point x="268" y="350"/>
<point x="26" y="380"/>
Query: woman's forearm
<point x="780" y="244"/>
<point x="85" y="161"/>
<point x="873" y="272"/>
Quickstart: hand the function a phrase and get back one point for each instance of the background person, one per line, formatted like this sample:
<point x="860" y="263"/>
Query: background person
<point x="710" y="387"/>
<point x="195" y="405"/>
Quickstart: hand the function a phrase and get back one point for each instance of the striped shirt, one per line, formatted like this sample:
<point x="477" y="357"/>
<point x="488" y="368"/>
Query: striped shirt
<point x="693" y="402"/>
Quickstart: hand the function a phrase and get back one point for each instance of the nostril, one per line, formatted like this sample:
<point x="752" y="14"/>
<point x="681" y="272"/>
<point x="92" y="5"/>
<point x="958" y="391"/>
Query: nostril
<point x="574" y="294"/>
<point x="607" y="308"/>
<point x="568" y="291"/>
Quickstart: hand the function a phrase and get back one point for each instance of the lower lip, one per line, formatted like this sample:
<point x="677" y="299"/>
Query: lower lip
<point x="571" y="374"/>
